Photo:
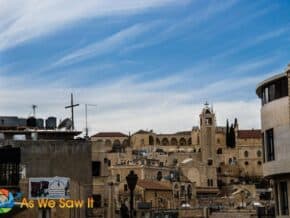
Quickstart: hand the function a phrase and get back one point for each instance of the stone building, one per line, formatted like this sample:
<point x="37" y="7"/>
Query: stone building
<point x="200" y="157"/>
<point x="275" y="115"/>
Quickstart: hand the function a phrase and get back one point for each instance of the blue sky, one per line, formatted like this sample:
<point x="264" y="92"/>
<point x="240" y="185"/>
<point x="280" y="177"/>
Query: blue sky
<point x="147" y="64"/>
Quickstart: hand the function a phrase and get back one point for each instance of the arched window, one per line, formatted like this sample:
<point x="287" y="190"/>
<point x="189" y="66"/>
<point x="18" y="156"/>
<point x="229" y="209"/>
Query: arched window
<point x="189" y="192"/>
<point x="182" y="190"/>
<point x="189" y="141"/>
<point x="182" y="141"/>
<point x="158" y="141"/>
<point x="165" y="142"/>
<point x="218" y="141"/>
<point x="259" y="153"/>
<point x="117" y="146"/>
<point x="117" y="142"/>
<point x="199" y="150"/>
<point x="194" y="150"/>
<point x="151" y="140"/>
<point x="246" y="163"/>
<point x="230" y="161"/>
<point x="246" y="154"/>
<point x="173" y="141"/>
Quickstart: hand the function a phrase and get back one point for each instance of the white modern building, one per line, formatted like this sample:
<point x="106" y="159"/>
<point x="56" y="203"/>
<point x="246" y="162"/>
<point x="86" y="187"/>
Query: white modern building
<point x="274" y="93"/>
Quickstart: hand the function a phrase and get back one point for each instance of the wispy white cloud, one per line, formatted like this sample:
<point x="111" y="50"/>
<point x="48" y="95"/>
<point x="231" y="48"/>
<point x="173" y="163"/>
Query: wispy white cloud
<point x="21" y="21"/>
<point x="108" y="44"/>
<point x="173" y="28"/>
<point x="130" y="104"/>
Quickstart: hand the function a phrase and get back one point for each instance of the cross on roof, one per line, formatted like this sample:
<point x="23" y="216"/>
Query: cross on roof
<point x="72" y="105"/>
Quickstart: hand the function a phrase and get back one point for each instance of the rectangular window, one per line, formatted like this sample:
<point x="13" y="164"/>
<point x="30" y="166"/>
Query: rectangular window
<point x="276" y="199"/>
<point x="284" y="198"/>
<point x="270" y="145"/>
<point x="266" y="95"/>
<point x="9" y="166"/>
<point x="272" y="92"/>
<point x="118" y="178"/>
<point x="97" y="201"/>
<point x="263" y="147"/>
<point x="96" y="168"/>
<point x="182" y="190"/>
<point x="275" y="90"/>
<point x="281" y="88"/>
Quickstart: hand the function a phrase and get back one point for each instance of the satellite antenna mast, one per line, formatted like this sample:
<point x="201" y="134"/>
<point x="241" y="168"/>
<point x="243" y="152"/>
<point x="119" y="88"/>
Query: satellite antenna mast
<point x="34" y="109"/>
<point x="71" y="106"/>
<point x="86" y="116"/>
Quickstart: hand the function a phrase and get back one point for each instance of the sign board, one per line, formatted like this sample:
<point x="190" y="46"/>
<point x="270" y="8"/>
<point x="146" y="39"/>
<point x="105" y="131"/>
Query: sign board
<point x="49" y="187"/>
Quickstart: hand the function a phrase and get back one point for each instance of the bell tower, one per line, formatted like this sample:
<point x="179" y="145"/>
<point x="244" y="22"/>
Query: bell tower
<point x="207" y="135"/>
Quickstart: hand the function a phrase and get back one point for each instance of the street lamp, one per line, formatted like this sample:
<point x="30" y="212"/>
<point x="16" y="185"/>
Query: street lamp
<point x="132" y="179"/>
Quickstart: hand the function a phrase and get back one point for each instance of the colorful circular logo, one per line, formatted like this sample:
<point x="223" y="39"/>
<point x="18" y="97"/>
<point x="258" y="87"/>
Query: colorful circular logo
<point x="6" y="201"/>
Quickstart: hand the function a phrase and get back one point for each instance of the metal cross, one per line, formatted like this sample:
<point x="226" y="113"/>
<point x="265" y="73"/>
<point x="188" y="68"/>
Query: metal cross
<point x="72" y="105"/>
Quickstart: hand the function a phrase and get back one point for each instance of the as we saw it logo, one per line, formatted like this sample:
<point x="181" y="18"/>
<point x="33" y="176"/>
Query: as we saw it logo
<point x="6" y="201"/>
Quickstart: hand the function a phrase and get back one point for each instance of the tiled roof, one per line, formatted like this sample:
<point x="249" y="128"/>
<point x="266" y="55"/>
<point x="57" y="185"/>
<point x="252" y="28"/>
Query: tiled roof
<point x="109" y="134"/>
<point x="249" y="134"/>
<point x="153" y="185"/>
<point x="183" y="133"/>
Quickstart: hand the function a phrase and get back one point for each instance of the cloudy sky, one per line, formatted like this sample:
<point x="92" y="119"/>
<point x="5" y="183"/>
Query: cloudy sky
<point x="146" y="64"/>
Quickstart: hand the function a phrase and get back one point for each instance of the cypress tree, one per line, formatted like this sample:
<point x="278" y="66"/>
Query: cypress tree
<point x="227" y="134"/>
<point x="232" y="137"/>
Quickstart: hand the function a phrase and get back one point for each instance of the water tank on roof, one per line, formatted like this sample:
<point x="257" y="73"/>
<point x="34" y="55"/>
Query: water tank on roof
<point x="31" y="122"/>
<point x="66" y="123"/>
<point x="22" y="122"/>
<point x="50" y="123"/>
<point x="40" y="123"/>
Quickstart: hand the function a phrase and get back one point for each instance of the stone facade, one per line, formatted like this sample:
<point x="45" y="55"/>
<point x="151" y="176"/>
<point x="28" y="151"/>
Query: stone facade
<point x="199" y="157"/>
<point x="50" y="158"/>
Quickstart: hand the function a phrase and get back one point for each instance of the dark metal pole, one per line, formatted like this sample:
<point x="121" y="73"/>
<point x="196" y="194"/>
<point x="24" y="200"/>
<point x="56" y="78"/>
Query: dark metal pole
<point x="132" y="179"/>
<point x="87" y="131"/>
<point x="72" y="111"/>
<point x="131" y="203"/>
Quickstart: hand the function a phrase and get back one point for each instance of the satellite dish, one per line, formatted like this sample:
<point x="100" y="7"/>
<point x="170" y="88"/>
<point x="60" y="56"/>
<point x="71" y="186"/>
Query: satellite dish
<point x="66" y="123"/>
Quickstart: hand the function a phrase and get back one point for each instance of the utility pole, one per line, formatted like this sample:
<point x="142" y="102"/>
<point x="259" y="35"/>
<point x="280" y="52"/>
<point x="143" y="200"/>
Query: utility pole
<point x="71" y="106"/>
<point x="86" y="116"/>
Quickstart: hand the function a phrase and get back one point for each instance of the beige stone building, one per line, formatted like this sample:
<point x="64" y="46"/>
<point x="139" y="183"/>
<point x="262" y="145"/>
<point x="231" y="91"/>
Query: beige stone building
<point x="275" y="115"/>
<point x="199" y="158"/>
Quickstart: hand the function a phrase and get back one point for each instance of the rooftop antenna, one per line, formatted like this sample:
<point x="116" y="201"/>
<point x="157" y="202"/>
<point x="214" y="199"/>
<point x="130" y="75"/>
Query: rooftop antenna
<point x="86" y="114"/>
<point x="34" y="109"/>
<point x="71" y="106"/>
